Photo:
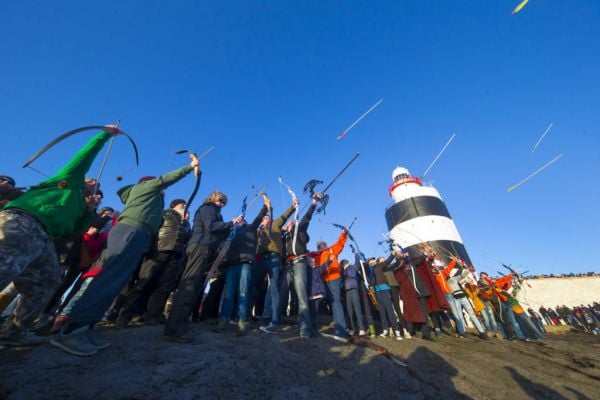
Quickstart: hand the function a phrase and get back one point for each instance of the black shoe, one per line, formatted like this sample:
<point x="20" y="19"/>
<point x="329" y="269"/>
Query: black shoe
<point x="121" y="323"/>
<point x="482" y="336"/>
<point x="177" y="339"/>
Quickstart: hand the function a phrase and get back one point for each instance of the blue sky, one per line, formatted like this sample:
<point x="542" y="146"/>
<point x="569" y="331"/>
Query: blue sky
<point x="272" y="83"/>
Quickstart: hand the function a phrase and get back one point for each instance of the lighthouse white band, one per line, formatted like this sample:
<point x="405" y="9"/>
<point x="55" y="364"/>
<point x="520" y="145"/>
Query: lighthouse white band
<point x="428" y="228"/>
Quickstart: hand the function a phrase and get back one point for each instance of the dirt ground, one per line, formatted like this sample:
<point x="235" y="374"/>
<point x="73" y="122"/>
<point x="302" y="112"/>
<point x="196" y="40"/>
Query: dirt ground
<point x="283" y="366"/>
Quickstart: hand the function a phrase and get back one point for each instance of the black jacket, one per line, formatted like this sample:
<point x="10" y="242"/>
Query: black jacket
<point x="173" y="233"/>
<point x="302" y="237"/>
<point x="243" y="245"/>
<point x="209" y="228"/>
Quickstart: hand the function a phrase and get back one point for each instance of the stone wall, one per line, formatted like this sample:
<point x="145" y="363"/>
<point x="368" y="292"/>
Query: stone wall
<point x="561" y="291"/>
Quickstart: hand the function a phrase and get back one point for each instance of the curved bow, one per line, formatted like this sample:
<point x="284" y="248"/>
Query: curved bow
<point x="75" y="131"/>
<point x="296" y="213"/>
<point x="197" y="174"/>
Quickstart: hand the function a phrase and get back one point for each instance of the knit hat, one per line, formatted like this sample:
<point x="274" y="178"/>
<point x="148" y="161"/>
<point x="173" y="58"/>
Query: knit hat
<point x="176" y="202"/>
<point x="8" y="179"/>
<point x="105" y="209"/>
<point x="320" y="243"/>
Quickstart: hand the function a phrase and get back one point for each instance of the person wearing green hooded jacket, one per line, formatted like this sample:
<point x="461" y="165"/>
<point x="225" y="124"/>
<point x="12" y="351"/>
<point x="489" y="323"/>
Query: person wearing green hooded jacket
<point x="139" y="221"/>
<point x="61" y="206"/>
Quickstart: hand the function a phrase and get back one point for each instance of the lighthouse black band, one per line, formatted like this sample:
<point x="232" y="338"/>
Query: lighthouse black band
<point x="443" y="249"/>
<point x="415" y="207"/>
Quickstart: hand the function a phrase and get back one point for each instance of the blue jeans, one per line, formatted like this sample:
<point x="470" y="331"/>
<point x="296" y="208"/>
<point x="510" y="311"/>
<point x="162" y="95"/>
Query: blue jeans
<point x="457" y="305"/>
<point x="354" y="309"/>
<point x="488" y="317"/>
<point x="510" y="315"/>
<point x="270" y="264"/>
<point x="237" y="283"/>
<point x="297" y="272"/>
<point x="334" y="295"/>
<point x="124" y="249"/>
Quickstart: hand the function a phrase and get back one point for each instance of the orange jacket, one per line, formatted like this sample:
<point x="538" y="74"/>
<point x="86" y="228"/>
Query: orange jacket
<point x="442" y="278"/>
<point x="502" y="284"/>
<point x="333" y="271"/>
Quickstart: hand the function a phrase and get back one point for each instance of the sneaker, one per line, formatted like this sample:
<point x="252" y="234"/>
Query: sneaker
<point x="462" y="336"/>
<point x="398" y="335"/>
<point x="269" y="328"/>
<point x="76" y="342"/>
<point x="407" y="335"/>
<point x="97" y="339"/>
<point x="384" y="334"/>
<point x="351" y="332"/>
<point x="241" y="328"/>
<point x="340" y="339"/>
<point x="362" y="332"/>
<point x="25" y="338"/>
<point x="438" y="332"/>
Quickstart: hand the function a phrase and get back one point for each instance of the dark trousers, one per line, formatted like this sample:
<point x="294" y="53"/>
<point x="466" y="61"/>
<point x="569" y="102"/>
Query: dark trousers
<point x="366" y="303"/>
<point x="190" y="288"/>
<point x="386" y="311"/>
<point x="125" y="246"/>
<point x="156" y="279"/>
<point x="395" y="291"/>
<point x="209" y="305"/>
<point x="425" y="326"/>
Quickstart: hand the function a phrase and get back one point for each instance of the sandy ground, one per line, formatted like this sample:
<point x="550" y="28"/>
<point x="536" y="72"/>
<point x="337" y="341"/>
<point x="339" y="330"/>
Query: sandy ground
<point x="282" y="366"/>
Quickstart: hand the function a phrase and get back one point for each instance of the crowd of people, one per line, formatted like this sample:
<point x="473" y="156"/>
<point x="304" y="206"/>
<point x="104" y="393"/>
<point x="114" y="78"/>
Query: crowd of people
<point x="569" y="275"/>
<point x="69" y="265"/>
<point x="582" y="318"/>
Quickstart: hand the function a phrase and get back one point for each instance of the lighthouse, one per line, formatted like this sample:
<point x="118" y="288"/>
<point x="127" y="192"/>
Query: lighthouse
<point x="419" y="216"/>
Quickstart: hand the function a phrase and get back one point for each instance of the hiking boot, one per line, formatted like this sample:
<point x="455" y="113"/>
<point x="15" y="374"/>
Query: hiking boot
<point x="75" y="342"/>
<point x="241" y="328"/>
<point x="24" y="338"/>
<point x="96" y="339"/>
<point x="406" y="334"/>
<point x="362" y="332"/>
<point x="269" y="328"/>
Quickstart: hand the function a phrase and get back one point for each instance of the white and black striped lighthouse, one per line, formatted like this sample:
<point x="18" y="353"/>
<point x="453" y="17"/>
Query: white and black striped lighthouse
<point x="419" y="215"/>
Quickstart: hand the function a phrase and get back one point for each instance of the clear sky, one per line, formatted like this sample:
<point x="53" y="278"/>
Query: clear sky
<point x="272" y="83"/>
